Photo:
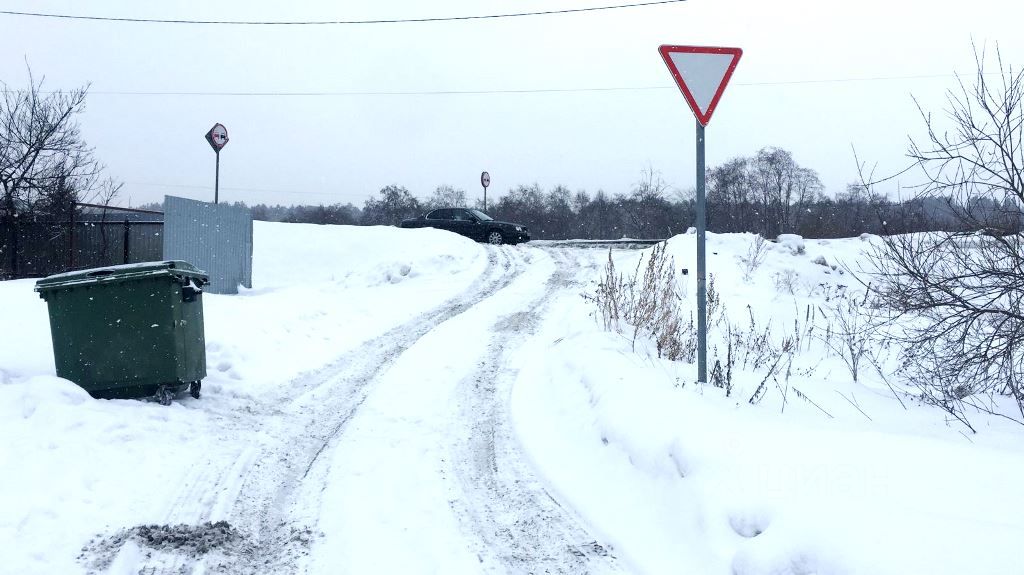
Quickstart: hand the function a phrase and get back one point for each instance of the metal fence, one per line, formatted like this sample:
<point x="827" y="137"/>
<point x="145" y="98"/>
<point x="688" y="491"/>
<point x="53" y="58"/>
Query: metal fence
<point x="37" y="249"/>
<point x="216" y="238"/>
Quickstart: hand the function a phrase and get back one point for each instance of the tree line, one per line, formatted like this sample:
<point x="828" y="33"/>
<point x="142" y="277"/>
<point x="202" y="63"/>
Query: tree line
<point x="46" y="168"/>
<point x="768" y="193"/>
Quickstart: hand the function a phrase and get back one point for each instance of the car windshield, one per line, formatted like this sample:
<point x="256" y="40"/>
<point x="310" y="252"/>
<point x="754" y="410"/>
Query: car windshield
<point x="482" y="216"/>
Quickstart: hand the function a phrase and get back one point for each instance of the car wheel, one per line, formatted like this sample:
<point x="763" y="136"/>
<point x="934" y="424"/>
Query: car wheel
<point x="495" y="238"/>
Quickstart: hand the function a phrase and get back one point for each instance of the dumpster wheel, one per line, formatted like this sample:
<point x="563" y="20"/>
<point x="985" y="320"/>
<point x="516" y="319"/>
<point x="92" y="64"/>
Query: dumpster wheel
<point x="164" y="395"/>
<point x="194" y="388"/>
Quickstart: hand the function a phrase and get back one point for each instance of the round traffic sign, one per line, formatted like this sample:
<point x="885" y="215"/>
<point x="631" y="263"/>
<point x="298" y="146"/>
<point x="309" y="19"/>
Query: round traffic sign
<point x="485" y="179"/>
<point x="217" y="136"/>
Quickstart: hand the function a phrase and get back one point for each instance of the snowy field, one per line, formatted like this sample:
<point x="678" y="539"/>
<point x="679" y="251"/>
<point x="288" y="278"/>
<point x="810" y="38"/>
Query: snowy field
<point x="408" y="401"/>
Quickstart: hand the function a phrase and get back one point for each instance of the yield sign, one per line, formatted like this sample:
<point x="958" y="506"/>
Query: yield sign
<point x="701" y="73"/>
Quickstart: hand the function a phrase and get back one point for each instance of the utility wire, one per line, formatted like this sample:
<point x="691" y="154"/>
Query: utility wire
<point x="337" y="22"/>
<point x="254" y="190"/>
<point x="382" y="93"/>
<point x="269" y="94"/>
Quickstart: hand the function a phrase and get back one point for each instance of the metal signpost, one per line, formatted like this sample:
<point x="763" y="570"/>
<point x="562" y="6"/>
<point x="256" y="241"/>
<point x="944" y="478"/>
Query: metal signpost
<point x="485" y="181"/>
<point x="218" y="138"/>
<point x="701" y="72"/>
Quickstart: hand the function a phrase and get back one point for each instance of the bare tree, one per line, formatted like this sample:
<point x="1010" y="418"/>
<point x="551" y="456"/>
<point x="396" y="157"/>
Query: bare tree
<point x="42" y="154"/>
<point x="730" y="203"/>
<point x="647" y="211"/>
<point x="46" y="167"/>
<point x="599" y="218"/>
<point x="959" y="295"/>
<point x="394" y="205"/>
<point x="446" y="196"/>
<point x="784" y="189"/>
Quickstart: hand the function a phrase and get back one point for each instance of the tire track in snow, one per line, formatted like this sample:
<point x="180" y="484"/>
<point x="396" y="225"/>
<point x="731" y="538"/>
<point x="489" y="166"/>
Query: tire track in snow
<point x="519" y="525"/>
<point x="257" y="488"/>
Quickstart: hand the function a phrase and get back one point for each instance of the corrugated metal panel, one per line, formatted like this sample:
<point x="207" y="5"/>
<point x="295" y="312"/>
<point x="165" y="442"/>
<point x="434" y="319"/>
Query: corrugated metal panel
<point x="216" y="238"/>
<point x="146" y="242"/>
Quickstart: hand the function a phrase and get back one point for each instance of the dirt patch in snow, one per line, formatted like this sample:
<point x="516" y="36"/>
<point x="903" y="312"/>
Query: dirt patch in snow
<point x="191" y="541"/>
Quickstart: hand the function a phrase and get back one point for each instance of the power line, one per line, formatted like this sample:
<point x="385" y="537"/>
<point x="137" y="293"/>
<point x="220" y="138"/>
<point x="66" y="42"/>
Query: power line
<point x="855" y="79"/>
<point x="337" y="22"/>
<point x="386" y="93"/>
<point x="255" y="190"/>
<point x="271" y="94"/>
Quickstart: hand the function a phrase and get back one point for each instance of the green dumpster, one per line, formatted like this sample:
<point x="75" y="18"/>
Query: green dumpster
<point x="129" y="331"/>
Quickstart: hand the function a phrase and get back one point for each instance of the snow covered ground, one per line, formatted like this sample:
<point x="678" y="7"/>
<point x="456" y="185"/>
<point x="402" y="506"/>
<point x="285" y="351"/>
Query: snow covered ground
<point x="679" y="478"/>
<point x="408" y="401"/>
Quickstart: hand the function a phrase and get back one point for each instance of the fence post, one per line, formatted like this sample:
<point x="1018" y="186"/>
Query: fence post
<point x="127" y="235"/>
<point x="71" y="239"/>
<point x="14" y="246"/>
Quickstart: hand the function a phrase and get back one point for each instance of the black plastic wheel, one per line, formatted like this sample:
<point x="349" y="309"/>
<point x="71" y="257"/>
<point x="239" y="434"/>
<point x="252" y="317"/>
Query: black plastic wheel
<point x="164" y="395"/>
<point x="194" y="388"/>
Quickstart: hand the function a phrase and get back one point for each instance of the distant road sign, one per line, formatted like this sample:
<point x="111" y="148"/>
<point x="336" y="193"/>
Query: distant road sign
<point x="485" y="180"/>
<point x="702" y="72"/>
<point x="218" y="137"/>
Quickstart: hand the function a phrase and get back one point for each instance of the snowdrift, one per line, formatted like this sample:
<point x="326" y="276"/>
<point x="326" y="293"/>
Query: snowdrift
<point x="822" y="475"/>
<point x="75" y="467"/>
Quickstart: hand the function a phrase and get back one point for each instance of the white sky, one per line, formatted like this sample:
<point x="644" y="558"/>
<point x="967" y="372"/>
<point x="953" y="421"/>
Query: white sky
<point x="344" y="148"/>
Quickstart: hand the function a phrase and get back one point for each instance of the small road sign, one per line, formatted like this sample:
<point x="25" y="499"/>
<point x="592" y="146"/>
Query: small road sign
<point x="218" y="137"/>
<point x="485" y="181"/>
<point x="701" y="72"/>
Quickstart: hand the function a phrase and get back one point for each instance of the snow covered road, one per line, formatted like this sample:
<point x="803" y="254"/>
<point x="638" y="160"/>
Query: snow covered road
<point x="409" y="401"/>
<point x="429" y="478"/>
<point x="398" y="457"/>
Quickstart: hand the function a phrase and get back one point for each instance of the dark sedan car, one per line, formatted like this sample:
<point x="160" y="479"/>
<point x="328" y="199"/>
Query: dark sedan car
<point x="473" y="224"/>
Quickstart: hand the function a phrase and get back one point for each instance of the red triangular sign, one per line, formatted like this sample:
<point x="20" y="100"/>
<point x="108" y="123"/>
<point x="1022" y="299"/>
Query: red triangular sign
<point x="702" y="73"/>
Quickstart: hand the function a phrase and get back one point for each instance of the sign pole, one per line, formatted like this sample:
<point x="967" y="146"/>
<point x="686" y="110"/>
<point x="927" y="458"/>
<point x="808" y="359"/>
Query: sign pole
<point x="702" y="303"/>
<point x="216" y="181"/>
<point x="217" y="138"/>
<point x="701" y="72"/>
<point x="485" y="181"/>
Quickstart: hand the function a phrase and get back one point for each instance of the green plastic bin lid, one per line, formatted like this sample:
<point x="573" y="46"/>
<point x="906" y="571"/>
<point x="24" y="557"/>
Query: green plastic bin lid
<point x="128" y="272"/>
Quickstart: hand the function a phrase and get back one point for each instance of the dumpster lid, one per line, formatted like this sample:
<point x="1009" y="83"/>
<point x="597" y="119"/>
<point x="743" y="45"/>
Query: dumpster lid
<point x="127" y="272"/>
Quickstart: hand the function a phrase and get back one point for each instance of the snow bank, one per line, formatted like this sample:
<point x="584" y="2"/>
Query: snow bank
<point x="321" y="290"/>
<point x="74" y="467"/>
<point x="792" y="242"/>
<point x="680" y="478"/>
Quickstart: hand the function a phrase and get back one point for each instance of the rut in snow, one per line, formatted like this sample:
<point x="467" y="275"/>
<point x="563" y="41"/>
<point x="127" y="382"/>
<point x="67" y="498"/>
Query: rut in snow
<point x="256" y="487"/>
<point x="520" y="527"/>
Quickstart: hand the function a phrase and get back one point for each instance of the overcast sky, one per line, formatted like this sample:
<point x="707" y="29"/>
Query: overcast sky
<point x="343" y="148"/>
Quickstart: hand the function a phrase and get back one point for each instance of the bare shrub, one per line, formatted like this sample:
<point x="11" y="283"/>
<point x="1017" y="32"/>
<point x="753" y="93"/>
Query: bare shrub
<point x="646" y="304"/>
<point x="611" y="296"/>
<point x="957" y="297"/>
<point x="757" y="250"/>
<point x="721" y="377"/>
<point x="786" y="281"/>
<point x="715" y="308"/>
<point x="847" y="331"/>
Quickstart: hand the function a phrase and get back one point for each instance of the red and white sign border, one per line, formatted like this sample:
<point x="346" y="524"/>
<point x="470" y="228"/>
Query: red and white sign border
<point x="217" y="147"/>
<point x="736" y="53"/>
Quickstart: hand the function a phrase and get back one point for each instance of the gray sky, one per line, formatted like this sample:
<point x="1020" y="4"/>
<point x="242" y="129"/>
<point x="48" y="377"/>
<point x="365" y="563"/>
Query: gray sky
<point x="328" y="149"/>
